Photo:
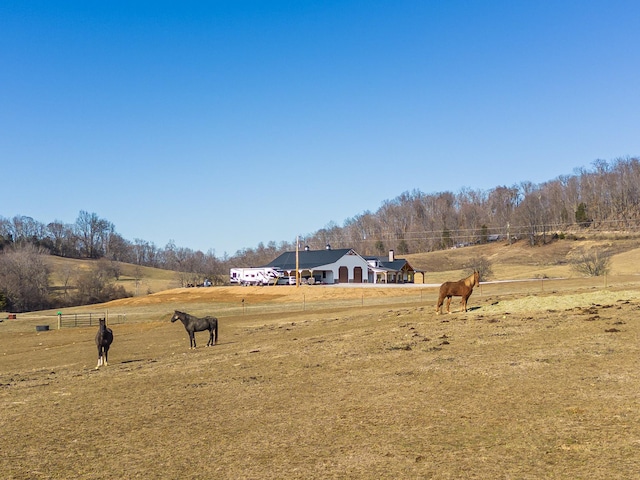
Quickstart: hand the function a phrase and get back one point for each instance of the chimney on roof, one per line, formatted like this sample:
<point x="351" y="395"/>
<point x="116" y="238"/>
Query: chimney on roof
<point x="392" y="256"/>
<point x="327" y="247"/>
<point x="306" y="248"/>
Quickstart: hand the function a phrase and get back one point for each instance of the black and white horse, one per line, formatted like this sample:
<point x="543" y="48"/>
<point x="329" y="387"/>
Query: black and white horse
<point x="196" y="324"/>
<point x="104" y="338"/>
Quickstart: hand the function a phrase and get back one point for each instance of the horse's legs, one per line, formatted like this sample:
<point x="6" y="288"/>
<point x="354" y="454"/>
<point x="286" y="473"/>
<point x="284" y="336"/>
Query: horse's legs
<point x="464" y="302"/>
<point x="210" y="342"/>
<point x="449" y="304"/>
<point x="439" y="304"/>
<point x="192" y="340"/>
<point x="106" y="356"/>
<point x="99" y="357"/>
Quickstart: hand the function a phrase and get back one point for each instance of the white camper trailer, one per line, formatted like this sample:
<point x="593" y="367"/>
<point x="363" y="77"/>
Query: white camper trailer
<point x="254" y="276"/>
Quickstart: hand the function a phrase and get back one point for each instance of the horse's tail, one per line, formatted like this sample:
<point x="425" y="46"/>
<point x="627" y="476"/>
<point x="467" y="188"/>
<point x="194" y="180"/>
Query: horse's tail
<point x="215" y="329"/>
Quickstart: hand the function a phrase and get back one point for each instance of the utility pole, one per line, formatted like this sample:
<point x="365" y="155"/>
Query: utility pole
<point x="297" y="262"/>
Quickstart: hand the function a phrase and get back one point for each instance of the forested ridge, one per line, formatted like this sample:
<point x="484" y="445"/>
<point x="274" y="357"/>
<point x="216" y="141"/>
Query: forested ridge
<point x="605" y="197"/>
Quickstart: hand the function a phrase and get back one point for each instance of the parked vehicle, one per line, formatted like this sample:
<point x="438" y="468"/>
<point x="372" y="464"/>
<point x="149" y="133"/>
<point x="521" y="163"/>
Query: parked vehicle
<point x="287" y="280"/>
<point x="254" y="276"/>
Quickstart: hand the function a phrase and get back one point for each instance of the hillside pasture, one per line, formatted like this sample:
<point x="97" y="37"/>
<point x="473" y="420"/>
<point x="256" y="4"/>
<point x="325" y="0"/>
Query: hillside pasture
<point x="521" y="261"/>
<point x="135" y="279"/>
<point x="538" y="380"/>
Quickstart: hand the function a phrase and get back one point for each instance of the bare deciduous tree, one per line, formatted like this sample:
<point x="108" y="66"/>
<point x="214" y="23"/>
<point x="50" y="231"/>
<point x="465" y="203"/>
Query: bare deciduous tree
<point x="482" y="265"/>
<point x="96" y="285"/>
<point x="93" y="233"/>
<point x="591" y="263"/>
<point x="24" y="278"/>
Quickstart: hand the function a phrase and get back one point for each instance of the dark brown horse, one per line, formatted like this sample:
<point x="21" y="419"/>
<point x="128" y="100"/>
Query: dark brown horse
<point x="196" y="324"/>
<point x="104" y="338"/>
<point x="461" y="288"/>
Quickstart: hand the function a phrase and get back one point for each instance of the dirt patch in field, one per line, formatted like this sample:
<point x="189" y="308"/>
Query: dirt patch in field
<point x="283" y="294"/>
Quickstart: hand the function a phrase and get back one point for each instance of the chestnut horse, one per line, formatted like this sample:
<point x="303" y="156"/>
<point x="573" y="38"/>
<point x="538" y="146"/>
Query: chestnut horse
<point x="461" y="288"/>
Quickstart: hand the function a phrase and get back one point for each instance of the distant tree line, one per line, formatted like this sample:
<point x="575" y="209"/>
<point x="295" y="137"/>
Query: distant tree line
<point x="606" y="198"/>
<point x="603" y="198"/>
<point x="24" y="275"/>
<point x="92" y="237"/>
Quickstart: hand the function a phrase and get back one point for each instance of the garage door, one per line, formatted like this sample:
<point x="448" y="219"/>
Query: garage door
<point x="357" y="275"/>
<point x="343" y="275"/>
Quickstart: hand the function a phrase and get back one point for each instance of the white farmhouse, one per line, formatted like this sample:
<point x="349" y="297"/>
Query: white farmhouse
<point x="327" y="266"/>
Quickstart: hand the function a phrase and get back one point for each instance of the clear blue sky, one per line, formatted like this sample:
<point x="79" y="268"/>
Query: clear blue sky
<point x="223" y="124"/>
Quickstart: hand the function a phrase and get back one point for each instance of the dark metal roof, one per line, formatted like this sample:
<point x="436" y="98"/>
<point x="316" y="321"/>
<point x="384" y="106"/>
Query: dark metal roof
<point x="397" y="265"/>
<point x="309" y="259"/>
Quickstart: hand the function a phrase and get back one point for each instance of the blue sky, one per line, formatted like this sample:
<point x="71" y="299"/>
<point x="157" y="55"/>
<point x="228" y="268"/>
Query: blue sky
<point x="222" y="124"/>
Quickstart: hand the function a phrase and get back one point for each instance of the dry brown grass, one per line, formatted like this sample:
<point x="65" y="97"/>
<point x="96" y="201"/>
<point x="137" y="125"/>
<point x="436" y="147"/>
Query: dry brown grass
<point x="534" y="386"/>
<point x="538" y="380"/>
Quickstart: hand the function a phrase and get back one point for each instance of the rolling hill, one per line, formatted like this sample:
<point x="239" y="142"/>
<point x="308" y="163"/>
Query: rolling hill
<point x="516" y="261"/>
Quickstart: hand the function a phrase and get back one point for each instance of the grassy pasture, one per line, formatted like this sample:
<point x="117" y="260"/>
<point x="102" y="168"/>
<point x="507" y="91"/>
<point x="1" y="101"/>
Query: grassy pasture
<point x="538" y="380"/>
<point x="135" y="279"/>
<point x="521" y="261"/>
